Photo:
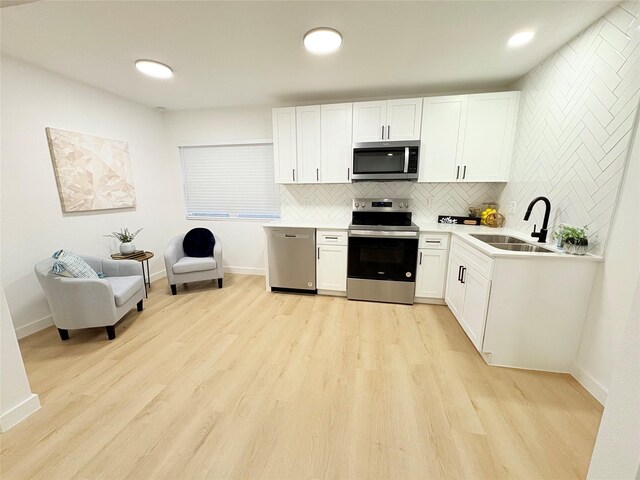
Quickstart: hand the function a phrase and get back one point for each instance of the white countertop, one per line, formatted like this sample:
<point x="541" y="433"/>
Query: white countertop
<point x="301" y="223"/>
<point x="461" y="231"/>
<point x="464" y="233"/>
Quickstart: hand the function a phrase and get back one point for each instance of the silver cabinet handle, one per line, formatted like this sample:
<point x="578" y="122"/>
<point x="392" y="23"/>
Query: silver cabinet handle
<point x="388" y="132"/>
<point x="348" y="173"/>
<point x="332" y="238"/>
<point x="318" y="253"/>
<point x="293" y="172"/>
<point x="382" y="133"/>
<point x="458" y="172"/>
<point x="406" y="159"/>
<point x="317" y="175"/>
<point x="420" y="258"/>
<point x="464" y="172"/>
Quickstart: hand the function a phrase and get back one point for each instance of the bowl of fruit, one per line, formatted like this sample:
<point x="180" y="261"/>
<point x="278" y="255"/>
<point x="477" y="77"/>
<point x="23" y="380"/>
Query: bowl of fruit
<point x="491" y="217"/>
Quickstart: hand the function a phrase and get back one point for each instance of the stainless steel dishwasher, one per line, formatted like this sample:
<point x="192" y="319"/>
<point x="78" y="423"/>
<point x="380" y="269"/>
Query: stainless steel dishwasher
<point x="292" y="259"/>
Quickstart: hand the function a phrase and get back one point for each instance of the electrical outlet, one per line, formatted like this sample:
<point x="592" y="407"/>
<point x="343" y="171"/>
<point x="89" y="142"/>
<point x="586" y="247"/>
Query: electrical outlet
<point x="306" y="201"/>
<point x="511" y="207"/>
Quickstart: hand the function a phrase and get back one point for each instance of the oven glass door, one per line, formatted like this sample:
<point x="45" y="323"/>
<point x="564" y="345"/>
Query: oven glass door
<point x="378" y="160"/>
<point x="382" y="258"/>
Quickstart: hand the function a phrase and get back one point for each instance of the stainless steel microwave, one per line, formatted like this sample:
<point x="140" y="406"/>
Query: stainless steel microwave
<point x="380" y="161"/>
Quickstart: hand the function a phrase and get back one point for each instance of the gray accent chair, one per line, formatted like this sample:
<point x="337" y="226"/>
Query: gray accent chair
<point x="183" y="269"/>
<point x="92" y="302"/>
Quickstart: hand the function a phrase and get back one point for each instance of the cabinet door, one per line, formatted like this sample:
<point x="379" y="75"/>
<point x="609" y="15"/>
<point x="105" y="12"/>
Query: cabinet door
<point x="454" y="296"/>
<point x="488" y="137"/>
<point x="403" y="119"/>
<point x="368" y="120"/>
<point x="336" y="148"/>
<point x="474" y="310"/>
<point x="430" y="274"/>
<point x="331" y="267"/>
<point x="284" y="144"/>
<point x="441" y="138"/>
<point x="308" y="144"/>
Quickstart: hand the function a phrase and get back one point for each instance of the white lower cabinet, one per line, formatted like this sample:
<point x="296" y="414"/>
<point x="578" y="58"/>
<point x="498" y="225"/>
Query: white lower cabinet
<point x="524" y="311"/>
<point x="468" y="291"/>
<point x="432" y="265"/>
<point x="331" y="260"/>
<point x="474" y="308"/>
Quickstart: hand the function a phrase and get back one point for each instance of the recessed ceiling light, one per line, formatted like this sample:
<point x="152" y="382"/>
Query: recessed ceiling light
<point x="520" y="38"/>
<point x="154" y="69"/>
<point x="322" y="40"/>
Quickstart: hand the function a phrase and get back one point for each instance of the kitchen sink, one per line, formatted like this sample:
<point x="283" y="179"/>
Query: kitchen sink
<point x="489" y="238"/>
<point x="520" y="247"/>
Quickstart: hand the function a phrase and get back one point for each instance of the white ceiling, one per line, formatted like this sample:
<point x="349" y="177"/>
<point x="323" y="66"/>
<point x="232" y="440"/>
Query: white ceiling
<point x="240" y="53"/>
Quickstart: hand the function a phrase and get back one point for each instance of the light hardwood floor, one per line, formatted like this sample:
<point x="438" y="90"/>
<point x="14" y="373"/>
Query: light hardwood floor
<point x="240" y="383"/>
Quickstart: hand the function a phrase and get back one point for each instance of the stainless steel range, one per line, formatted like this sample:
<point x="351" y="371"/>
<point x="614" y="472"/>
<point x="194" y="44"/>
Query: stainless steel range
<point x="383" y="251"/>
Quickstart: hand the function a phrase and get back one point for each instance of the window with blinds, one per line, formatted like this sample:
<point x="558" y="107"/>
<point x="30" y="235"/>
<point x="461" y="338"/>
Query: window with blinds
<point x="230" y="181"/>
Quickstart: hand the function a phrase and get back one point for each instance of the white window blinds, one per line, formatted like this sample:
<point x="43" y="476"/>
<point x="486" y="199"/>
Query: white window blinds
<point x="230" y="181"/>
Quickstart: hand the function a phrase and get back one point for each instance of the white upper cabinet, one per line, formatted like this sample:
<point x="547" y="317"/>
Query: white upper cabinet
<point x="284" y="144"/>
<point x="308" y="144"/>
<point x="403" y="119"/>
<point x="488" y="136"/>
<point x="387" y="120"/>
<point x="336" y="150"/>
<point x="369" y="120"/>
<point x="440" y="139"/>
<point x="468" y="138"/>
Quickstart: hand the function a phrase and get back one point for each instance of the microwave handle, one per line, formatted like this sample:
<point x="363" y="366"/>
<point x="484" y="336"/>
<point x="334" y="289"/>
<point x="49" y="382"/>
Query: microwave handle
<point x="406" y="160"/>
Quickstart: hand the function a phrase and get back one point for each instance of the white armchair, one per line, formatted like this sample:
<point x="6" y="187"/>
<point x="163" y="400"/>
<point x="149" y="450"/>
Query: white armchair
<point x="92" y="302"/>
<point x="183" y="269"/>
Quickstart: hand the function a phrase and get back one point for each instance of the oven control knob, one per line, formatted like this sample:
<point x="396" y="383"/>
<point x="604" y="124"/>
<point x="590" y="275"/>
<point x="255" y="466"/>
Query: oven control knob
<point x="408" y="274"/>
<point x="357" y="204"/>
<point x="401" y="204"/>
<point x="406" y="205"/>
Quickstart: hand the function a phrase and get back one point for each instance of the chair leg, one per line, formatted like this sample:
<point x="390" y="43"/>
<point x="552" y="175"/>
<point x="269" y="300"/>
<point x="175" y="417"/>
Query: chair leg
<point x="174" y="289"/>
<point x="140" y="306"/>
<point x="64" y="334"/>
<point x="111" y="332"/>
<point x="219" y="283"/>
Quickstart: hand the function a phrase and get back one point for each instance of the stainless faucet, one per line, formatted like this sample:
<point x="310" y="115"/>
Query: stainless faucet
<point x="542" y="234"/>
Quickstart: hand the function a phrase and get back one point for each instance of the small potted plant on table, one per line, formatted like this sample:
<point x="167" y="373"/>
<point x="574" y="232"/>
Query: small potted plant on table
<point x="126" y="239"/>
<point x="574" y="240"/>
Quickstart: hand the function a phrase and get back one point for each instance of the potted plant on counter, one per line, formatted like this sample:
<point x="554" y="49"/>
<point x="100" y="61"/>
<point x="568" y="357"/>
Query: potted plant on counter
<point x="574" y="240"/>
<point x="126" y="239"/>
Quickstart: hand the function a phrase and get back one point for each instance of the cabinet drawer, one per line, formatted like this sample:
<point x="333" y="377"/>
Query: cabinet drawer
<point x="472" y="258"/>
<point x="434" y="241"/>
<point x="331" y="237"/>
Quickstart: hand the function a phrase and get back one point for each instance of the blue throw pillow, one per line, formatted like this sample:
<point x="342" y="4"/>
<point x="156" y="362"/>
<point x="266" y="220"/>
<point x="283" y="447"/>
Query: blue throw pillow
<point x="198" y="242"/>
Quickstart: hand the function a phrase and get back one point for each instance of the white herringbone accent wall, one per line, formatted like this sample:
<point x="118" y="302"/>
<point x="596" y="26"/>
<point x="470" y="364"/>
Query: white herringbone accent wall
<point x="575" y="123"/>
<point x="333" y="202"/>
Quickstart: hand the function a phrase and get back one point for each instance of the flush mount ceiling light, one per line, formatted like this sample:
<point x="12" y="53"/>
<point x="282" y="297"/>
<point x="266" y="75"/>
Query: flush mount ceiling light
<point x="520" y="38"/>
<point x="154" y="69"/>
<point x="323" y="40"/>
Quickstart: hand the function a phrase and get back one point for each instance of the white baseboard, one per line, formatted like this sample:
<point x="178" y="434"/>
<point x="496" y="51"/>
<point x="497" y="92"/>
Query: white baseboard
<point x="33" y="327"/>
<point x="593" y="386"/>
<point x="158" y="275"/>
<point x="19" y="412"/>
<point x="238" y="270"/>
<point x="332" y="293"/>
<point x="244" y="270"/>
<point x="430" y="301"/>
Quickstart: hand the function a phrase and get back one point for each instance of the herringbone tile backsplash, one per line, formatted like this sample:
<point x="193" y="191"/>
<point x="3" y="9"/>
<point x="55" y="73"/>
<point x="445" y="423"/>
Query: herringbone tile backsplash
<point x="575" y="124"/>
<point x="333" y="201"/>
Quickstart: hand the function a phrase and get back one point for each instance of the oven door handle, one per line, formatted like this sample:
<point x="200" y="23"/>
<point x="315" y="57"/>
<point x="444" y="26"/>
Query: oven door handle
<point x="406" y="160"/>
<point x="382" y="234"/>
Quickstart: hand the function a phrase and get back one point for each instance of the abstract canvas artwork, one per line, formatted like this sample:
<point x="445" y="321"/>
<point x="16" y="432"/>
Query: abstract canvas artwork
<point x="92" y="173"/>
